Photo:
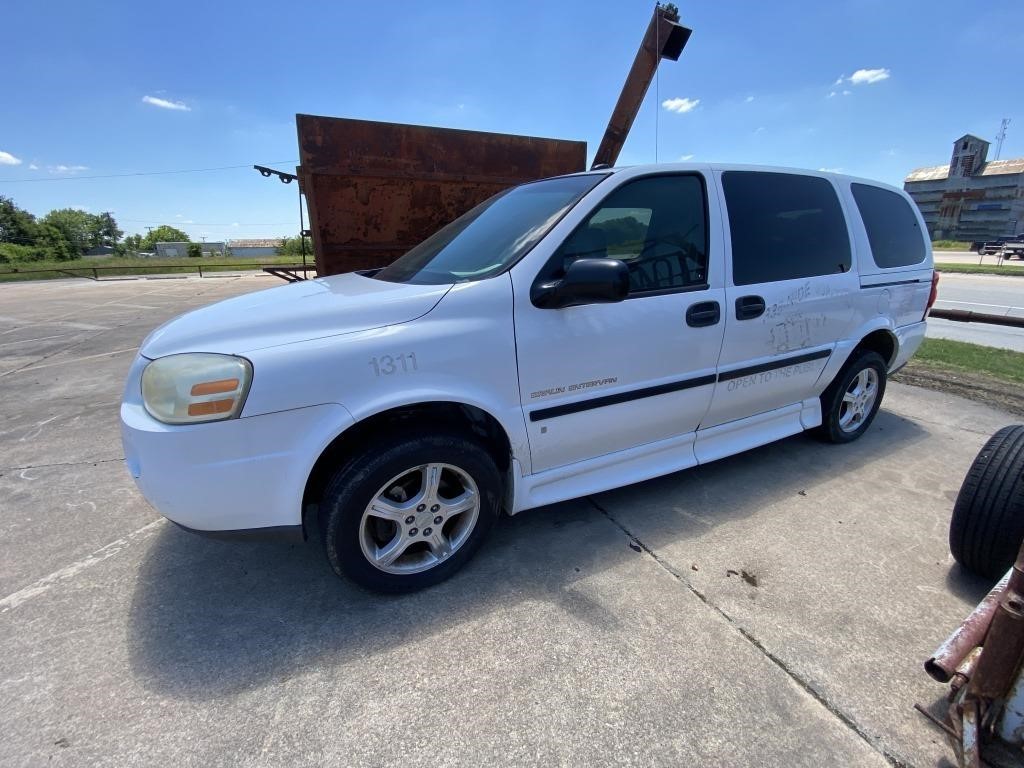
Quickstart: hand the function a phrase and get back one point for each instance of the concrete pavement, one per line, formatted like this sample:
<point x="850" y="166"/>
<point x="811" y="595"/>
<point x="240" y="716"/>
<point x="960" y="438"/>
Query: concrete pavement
<point x="772" y="608"/>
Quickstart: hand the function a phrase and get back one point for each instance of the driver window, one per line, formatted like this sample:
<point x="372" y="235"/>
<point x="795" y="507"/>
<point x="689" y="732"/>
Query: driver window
<point x="656" y="226"/>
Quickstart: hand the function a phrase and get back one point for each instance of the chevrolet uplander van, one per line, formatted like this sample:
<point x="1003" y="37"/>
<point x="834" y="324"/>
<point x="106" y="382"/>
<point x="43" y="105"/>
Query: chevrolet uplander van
<point x="564" y="337"/>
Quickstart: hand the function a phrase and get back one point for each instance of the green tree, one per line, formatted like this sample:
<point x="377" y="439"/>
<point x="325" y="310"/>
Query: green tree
<point x="75" y="226"/>
<point x="16" y="224"/>
<point x="292" y="246"/>
<point x="165" y="233"/>
<point x="55" y="243"/>
<point x="104" y="230"/>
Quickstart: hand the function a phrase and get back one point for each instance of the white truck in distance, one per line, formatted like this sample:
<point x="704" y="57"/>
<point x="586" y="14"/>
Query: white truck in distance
<point x="564" y="337"/>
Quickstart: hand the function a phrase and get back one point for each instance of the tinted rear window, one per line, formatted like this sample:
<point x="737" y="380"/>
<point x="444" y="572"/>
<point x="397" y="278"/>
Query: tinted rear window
<point x="893" y="231"/>
<point x="784" y="226"/>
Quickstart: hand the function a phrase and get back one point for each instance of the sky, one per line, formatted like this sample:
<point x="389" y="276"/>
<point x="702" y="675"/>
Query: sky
<point x="868" y="87"/>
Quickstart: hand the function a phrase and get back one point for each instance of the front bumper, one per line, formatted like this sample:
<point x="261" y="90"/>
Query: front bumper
<point x="234" y="475"/>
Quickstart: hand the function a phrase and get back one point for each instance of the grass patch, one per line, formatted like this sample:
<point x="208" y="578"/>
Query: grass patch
<point x="981" y="269"/>
<point x="121" y="266"/>
<point x="1002" y="364"/>
<point x="950" y="245"/>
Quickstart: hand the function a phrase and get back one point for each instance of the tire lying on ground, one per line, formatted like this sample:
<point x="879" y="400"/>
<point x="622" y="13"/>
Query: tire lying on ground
<point x="987" y="527"/>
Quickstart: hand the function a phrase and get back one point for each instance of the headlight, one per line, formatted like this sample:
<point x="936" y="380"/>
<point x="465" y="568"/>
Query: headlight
<point x="195" y="387"/>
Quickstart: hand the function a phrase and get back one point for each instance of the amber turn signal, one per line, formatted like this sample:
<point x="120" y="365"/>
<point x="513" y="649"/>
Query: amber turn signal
<point x="211" y="407"/>
<point x="214" y="387"/>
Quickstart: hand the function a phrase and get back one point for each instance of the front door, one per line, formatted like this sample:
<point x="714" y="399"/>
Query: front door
<point x="790" y="291"/>
<point x="601" y="378"/>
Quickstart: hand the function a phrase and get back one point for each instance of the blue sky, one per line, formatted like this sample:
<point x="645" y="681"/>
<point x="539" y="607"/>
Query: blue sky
<point x="96" y="89"/>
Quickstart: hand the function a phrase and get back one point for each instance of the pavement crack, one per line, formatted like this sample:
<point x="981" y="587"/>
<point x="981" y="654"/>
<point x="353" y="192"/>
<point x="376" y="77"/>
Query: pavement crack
<point x="792" y="674"/>
<point x="62" y="464"/>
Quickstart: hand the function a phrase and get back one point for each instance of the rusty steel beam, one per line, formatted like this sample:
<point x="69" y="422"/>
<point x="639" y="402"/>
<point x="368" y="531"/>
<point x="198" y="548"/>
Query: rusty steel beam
<point x="1003" y="646"/>
<point x="969" y="635"/>
<point x="665" y="39"/>
<point x="374" y="190"/>
<point x="969" y="316"/>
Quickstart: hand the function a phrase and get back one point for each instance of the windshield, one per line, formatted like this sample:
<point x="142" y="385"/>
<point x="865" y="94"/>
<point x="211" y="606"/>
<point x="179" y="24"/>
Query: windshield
<point x="491" y="237"/>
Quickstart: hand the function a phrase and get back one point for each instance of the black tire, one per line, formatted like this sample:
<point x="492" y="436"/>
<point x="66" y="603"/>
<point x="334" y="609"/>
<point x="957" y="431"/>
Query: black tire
<point x="987" y="527"/>
<point x="832" y="429"/>
<point x="353" y="487"/>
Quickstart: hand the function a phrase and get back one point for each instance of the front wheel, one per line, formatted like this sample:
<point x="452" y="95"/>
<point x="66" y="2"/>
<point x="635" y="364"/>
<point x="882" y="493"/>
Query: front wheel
<point x="410" y="511"/>
<point x="851" y="401"/>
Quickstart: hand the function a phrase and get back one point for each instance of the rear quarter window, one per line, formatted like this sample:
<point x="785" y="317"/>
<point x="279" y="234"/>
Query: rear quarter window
<point x="784" y="226"/>
<point x="893" y="231"/>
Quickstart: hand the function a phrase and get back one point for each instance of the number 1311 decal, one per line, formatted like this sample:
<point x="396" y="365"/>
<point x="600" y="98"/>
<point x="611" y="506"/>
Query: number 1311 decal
<point x="385" y="365"/>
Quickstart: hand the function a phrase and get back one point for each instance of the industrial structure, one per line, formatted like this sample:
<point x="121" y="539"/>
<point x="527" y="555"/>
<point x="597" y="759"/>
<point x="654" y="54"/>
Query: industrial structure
<point x="970" y="199"/>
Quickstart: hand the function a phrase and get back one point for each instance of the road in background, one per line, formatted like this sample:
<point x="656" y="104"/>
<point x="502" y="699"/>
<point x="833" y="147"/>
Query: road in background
<point x="989" y="294"/>
<point x="970" y="257"/>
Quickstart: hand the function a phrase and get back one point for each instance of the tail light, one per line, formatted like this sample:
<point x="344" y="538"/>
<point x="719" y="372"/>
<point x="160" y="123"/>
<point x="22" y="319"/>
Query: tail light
<point x="934" y="294"/>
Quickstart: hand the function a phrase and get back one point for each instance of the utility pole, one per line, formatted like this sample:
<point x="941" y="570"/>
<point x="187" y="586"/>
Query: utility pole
<point x="1001" y="136"/>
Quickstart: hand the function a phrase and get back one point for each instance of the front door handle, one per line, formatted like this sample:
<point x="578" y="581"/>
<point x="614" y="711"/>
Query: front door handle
<point x="703" y="314"/>
<point x="749" y="307"/>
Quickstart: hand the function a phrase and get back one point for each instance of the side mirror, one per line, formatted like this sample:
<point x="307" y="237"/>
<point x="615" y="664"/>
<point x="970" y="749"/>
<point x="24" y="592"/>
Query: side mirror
<point x="586" y="281"/>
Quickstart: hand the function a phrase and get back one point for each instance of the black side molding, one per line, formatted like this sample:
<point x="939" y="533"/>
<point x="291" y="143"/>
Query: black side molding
<point x="673" y="386"/>
<point x="896" y="282"/>
<point x="620" y="397"/>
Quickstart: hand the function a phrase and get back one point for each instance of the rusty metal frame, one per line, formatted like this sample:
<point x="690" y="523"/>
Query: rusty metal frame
<point x="665" y="38"/>
<point x="373" y="190"/>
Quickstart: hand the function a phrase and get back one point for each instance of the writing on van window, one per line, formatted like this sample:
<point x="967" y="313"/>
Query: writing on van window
<point x="386" y="365"/>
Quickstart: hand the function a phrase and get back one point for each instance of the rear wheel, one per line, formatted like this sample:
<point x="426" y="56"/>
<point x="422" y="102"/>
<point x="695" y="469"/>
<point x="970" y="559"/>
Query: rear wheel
<point x="851" y="401"/>
<point x="987" y="527"/>
<point x="410" y="511"/>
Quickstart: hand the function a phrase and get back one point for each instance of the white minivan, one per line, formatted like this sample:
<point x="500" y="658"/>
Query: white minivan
<point x="564" y="337"/>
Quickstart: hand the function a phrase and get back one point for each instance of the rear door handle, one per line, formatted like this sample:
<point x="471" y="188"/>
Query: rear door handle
<point x="749" y="307"/>
<point x="703" y="314"/>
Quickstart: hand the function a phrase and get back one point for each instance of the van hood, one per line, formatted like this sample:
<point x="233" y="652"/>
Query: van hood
<point x="301" y="311"/>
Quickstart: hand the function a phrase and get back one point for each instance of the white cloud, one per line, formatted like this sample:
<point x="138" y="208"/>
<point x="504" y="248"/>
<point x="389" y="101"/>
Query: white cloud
<point x="178" y="106"/>
<point x="680" y="105"/>
<point x="759" y="129"/>
<point x="33" y="167"/>
<point x="68" y="168"/>
<point x="847" y="93"/>
<point x="235" y="224"/>
<point x="6" y="158"/>
<point x="839" y="80"/>
<point x="748" y="99"/>
<point x="831" y="94"/>
<point x="685" y="158"/>
<point x="868" y="76"/>
<point x="831" y="170"/>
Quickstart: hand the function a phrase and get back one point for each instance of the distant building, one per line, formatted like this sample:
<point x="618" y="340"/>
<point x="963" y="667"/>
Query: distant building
<point x="251" y="248"/>
<point x="970" y="199"/>
<point x="180" y="250"/>
<point x="99" y="252"/>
